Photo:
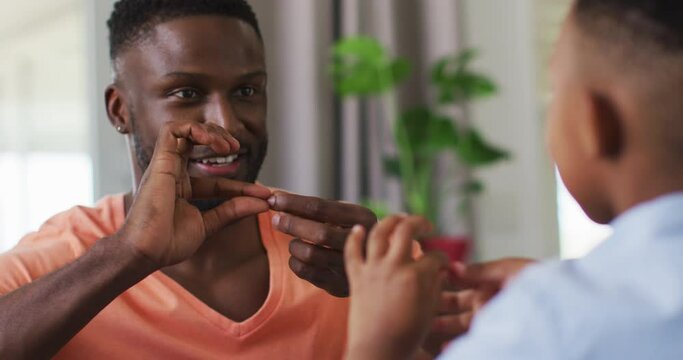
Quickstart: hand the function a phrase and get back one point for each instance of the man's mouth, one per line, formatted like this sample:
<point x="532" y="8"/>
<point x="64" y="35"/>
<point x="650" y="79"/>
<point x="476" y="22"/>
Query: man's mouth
<point x="218" y="161"/>
<point x="223" y="166"/>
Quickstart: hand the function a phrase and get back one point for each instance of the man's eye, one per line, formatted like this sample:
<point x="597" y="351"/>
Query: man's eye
<point x="186" y="94"/>
<point x="246" y="91"/>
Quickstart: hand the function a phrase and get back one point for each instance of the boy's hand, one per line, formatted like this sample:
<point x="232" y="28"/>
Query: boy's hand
<point x="394" y="298"/>
<point x="161" y="225"/>
<point x="320" y="228"/>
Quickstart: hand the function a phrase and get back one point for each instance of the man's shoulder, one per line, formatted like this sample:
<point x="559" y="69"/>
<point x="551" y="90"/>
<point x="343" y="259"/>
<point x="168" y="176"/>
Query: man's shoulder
<point x="60" y="240"/>
<point x="82" y="223"/>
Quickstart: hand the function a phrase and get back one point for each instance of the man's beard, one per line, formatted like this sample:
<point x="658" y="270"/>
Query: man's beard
<point x="254" y="161"/>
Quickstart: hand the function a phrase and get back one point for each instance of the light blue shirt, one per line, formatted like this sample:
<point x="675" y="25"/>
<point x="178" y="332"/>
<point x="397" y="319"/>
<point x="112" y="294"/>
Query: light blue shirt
<point x="622" y="301"/>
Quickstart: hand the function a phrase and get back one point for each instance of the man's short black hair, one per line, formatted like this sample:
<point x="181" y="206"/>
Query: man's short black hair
<point x="132" y="19"/>
<point x="659" y="22"/>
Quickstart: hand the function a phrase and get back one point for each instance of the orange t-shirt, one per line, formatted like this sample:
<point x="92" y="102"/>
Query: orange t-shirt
<point x="159" y="319"/>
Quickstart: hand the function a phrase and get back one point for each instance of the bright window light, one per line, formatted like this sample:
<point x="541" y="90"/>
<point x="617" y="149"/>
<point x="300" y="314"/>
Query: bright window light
<point x="578" y="234"/>
<point x="40" y="186"/>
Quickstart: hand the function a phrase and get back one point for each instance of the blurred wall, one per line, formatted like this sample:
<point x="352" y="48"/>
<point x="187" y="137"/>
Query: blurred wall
<point x="517" y="214"/>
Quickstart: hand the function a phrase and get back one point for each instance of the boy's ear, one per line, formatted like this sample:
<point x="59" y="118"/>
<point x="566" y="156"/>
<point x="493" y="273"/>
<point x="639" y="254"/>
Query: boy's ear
<point x="117" y="111"/>
<point x="601" y="133"/>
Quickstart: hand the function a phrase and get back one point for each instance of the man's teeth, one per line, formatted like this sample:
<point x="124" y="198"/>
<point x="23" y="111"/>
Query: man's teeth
<point x="219" y="160"/>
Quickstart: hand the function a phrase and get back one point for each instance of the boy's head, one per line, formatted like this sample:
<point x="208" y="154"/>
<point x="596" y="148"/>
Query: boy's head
<point x="189" y="60"/>
<point x="616" y="123"/>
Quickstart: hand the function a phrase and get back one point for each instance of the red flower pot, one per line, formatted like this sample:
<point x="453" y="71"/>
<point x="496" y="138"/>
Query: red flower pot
<point x="457" y="248"/>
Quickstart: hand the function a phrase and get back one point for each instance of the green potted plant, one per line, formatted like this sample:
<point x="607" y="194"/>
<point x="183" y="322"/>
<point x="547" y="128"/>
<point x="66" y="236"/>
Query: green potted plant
<point x="363" y="68"/>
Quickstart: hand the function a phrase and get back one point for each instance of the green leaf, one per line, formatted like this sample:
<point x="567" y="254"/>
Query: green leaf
<point x="380" y="209"/>
<point x="426" y="133"/>
<point x="392" y="167"/>
<point x="400" y="70"/>
<point x="474" y="151"/>
<point x="361" y="67"/>
<point x="465" y="57"/>
<point x="361" y="46"/>
<point x="414" y="124"/>
<point x="442" y="135"/>
<point x="456" y="83"/>
<point x="473" y="187"/>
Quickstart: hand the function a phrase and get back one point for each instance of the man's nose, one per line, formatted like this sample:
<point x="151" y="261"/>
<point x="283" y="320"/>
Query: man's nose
<point x="222" y="114"/>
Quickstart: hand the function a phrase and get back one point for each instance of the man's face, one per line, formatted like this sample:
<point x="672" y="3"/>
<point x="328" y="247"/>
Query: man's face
<point x="208" y="69"/>
<point x="569" y="113"/>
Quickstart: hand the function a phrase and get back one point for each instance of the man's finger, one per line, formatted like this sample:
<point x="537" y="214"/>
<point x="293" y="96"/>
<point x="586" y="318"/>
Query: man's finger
<point x="231" y="211"/>
<point x="176" y="138"/>
<point x="328" y="211"/>
<point x="495" y="273"/>
<point x="315" y="255"/>
<point x="452" y="326"/>
<point x="218" y="188"/>
<point x="318" y="233"/>
<point x="401" y="243"/>
<point x="378" y="240"/>
<point x="320" y="277"/>
<point x="432" y="264"/>
<point x="456" y="302"/>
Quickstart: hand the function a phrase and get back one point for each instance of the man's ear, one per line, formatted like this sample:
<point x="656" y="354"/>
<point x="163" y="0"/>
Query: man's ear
<point x="602" y="131"/>
<point x="117" y="111"/>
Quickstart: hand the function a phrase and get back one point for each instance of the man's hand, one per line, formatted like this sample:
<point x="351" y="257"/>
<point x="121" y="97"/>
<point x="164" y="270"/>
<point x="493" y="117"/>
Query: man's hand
<point x="162" y="225"/>
<point x="320" y="228"/>
<point x="479" y="283"/>
<point x="393" y="297"/>
<point x="454" y="317"/>
<point x="161" y="229"/>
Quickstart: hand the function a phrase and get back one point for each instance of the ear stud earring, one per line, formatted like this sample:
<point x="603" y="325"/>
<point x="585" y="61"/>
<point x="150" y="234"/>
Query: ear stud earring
<point x="119" y="129"/>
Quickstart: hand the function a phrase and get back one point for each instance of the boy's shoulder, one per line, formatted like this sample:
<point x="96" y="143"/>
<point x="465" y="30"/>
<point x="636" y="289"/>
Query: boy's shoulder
<point x="578" y="309"/>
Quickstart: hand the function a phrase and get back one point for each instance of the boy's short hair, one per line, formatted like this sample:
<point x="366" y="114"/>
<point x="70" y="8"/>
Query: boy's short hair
<point x="131" y="20"/>
<point x="656" y="22"/>
<point x="638" y="46"/>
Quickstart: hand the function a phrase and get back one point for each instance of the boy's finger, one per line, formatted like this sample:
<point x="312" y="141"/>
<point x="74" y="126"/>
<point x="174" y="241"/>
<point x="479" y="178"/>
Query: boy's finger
<point x="401" y="243"/>
<point x="231" y="211"/>
<point x="378" y="240"/>
<point x="353" y="250"/>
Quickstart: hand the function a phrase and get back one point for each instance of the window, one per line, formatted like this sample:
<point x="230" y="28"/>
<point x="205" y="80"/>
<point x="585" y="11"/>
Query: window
<point x="44" y="158"/>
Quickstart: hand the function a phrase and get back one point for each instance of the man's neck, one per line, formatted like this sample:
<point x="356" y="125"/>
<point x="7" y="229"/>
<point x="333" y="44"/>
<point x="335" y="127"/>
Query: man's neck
<point x="228" y="249"/>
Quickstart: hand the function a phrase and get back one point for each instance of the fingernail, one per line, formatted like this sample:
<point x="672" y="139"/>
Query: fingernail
<point x="357" y="229"/>
<point x="458" y="267"/>
<point x="272" y="201"/>
<point x="276" y="219"/>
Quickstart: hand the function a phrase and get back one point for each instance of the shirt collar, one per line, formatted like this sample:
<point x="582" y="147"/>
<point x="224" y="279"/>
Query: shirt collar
<point x="663" y="213"/>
